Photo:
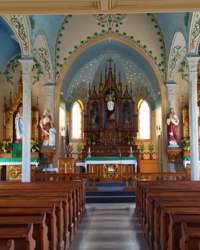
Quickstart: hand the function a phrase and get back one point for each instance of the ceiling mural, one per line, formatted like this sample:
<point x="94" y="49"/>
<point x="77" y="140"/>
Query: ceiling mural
<point x="21" y="28"/>
<point x="110" y="22"/>
<point x="194" y="33"/>
<point x="9" y="44"/>
<point x="177" y="54"/>
<point x="42" y="53"/>
<point x="141" y="29"/>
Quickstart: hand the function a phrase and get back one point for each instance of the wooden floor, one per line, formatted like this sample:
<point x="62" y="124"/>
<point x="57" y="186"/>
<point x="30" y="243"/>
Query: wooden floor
<point x="109" y="227"/>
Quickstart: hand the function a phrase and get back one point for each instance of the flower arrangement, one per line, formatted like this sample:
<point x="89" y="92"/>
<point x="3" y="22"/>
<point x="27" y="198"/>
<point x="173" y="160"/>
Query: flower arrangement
<point x="35" y="146"/>
<point x="6" y="146"/>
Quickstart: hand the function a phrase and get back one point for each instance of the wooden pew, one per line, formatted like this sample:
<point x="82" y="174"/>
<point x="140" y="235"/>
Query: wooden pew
<point x="51" y="220"/>
<point x="39" y="227"/>
<point x="22" y="236"/>
<point x="190" y="237"/>
<point x="163" y="235"/>
<point x="74" y="209"/>
<point x="25" y="203"/>
<point x="181" y="197"/>
<point x="6" y="244"/>
<point x="64" y="222"/>
<point x="175" y="233"/>
<point x="24" y="190"/>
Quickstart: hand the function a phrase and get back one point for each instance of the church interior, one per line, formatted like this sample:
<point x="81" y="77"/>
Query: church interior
<point x="99" y="125"/>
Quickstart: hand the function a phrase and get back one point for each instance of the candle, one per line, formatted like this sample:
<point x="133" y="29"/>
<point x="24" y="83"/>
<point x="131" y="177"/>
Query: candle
<point x="131" y="151"/>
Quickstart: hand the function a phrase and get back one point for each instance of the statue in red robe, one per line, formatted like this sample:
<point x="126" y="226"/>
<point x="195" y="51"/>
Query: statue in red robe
<point x="172" y="128"/>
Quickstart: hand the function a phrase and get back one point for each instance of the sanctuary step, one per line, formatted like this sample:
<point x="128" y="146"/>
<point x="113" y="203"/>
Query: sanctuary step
<point x="110" y="193"/>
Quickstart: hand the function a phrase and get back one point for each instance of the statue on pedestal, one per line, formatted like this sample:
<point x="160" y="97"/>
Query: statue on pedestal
<point x="172" y="128"/>
<point x="48" y="131"/>
<point x="19" y="124"/>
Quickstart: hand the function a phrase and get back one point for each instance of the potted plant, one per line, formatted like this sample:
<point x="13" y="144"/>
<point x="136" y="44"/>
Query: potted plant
<point x="150" y="149"/>
<point x="141" y="150"/>
<point x="79" y="149"/>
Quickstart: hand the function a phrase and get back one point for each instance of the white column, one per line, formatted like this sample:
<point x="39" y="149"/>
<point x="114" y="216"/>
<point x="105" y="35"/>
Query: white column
<point x="172" y="99"/>
<point x="49" y="88"/>
<point x="27" y="65"/>
<point x="193" y="115"/>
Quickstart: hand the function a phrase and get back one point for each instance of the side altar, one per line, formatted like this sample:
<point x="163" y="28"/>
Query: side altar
<point x="11" y="145"/>
<point x="110" y="118"/>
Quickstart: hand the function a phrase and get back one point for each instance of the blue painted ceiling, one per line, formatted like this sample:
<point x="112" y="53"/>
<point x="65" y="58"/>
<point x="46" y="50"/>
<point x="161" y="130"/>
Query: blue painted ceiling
<point x="133" y="67"/>
<point x="9" y="47"/>
<point x="50" y="25"/>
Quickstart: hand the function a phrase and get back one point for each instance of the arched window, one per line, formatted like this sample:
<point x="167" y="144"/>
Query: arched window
<point x="144" y="120"/>
<point x="76" y="120"/>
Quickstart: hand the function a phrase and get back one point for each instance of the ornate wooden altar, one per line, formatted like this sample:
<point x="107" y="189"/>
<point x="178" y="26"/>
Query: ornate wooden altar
<point x="110" y="119"/>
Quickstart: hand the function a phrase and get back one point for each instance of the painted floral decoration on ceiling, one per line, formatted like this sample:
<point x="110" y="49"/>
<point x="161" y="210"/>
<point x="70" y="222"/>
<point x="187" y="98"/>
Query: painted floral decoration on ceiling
<point x="110" y="22"/>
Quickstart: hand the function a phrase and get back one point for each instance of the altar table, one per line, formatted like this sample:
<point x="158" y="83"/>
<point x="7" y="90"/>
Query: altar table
<point x="106" y="160"/>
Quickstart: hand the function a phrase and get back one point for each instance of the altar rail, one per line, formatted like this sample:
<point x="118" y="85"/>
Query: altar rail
<point x="129" y="179"/>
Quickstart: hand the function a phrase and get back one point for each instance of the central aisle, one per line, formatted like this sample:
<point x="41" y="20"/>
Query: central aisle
<point x="109" y="227"/>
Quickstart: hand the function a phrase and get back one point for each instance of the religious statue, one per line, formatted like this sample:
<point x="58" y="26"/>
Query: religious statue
<point x="48" y="132"/>
<point x="19" y="124"/>
<point x="172" y="127"/>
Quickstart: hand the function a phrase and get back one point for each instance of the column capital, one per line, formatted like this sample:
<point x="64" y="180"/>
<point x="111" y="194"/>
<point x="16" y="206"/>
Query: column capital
<point x="50" y="84"/>
<point x="170" y="82"/>
<point x="27" y="64"/>
<point x="193" y="61"/>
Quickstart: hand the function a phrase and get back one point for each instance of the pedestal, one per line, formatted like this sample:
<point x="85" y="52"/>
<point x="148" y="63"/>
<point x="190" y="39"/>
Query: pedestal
<point x="173" y="154"/>
<point x="47" y="155"/>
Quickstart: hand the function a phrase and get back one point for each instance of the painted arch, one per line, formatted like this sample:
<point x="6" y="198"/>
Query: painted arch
<point x="177" y="54"/>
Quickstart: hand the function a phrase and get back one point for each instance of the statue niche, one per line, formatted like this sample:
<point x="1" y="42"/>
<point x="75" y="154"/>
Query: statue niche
<point x="110" y="119"/>
<point x="12" y="110"/>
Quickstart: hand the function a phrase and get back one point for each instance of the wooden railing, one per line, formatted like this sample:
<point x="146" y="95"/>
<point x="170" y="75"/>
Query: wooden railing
<point x="92" y="179"/>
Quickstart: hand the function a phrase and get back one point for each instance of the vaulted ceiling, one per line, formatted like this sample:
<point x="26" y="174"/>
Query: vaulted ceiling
<point x="95" y="6"/>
